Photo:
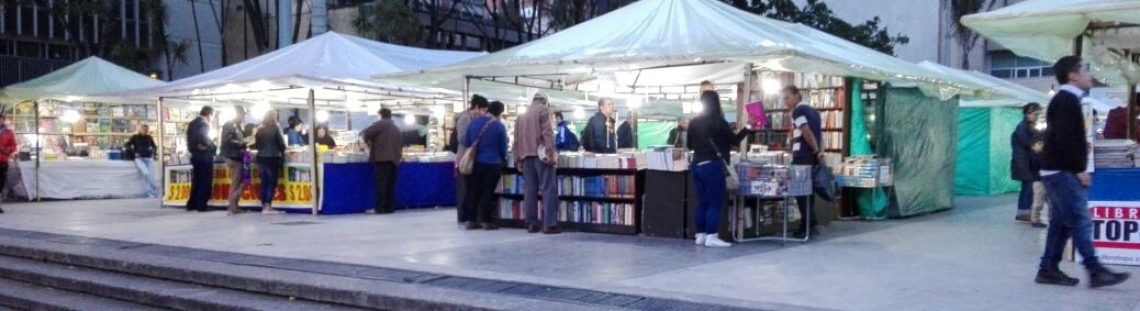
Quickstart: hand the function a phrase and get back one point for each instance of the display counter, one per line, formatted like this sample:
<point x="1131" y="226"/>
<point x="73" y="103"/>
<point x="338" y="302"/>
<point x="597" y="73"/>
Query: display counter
<point x="345" y="187"/>
<point x="1114" y="205"/>
<point x="83" y="179"/>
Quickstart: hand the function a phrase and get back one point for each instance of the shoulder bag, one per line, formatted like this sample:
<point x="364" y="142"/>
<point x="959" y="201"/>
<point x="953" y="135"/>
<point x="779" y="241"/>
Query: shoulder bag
<point x="731" y="181"/>
<point x="466" y="162"/>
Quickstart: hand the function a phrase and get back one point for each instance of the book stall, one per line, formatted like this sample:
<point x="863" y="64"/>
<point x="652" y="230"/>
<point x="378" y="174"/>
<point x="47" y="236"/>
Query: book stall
<point x="1114" y="203"/>
<point x="661" y="69"/>
<point x="71" y="143"/>
<point x="316" y="178"/>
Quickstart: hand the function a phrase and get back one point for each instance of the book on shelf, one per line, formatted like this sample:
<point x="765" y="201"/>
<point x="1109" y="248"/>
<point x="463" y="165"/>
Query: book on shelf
<point x="603" y="213"/>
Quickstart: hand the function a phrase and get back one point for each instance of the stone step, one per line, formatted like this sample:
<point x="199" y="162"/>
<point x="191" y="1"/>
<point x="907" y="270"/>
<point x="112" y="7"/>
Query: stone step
<point x="23" y="296"/>
<point x="150" y="291"/>
<point x="365" y="293"/>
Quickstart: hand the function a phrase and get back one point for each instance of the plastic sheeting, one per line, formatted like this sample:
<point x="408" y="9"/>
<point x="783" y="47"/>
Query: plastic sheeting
<point x="679" y="33"/>
<point x="85" y="179"/>
<point x="919" y="135"/>
<point x="77" y="81"/>
<point x="1046" y="29"/>
<point x="991" y="91"/>
<point x="330" y="60"/>
<point x="653" y="133"/>
<point x="984" y="151"/>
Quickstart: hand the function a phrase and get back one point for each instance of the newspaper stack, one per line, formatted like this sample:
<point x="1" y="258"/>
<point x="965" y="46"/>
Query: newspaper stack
<point x="1113" y="153"/>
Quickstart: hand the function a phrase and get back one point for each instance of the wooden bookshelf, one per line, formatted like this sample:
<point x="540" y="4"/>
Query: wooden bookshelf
<point x="616" y="212"/>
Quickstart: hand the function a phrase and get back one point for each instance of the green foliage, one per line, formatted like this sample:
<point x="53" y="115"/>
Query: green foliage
<point x="817" y="15"/>
<point x="392" y="21"/>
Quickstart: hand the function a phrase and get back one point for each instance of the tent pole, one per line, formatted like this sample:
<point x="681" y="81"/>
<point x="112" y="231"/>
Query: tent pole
<point x="161" y="149"/>
<point x="1078" y="45"/>
<point x="39" y="147"/>
<point x="742" y="99"/>
<point x="1132" y="111"/>
<point x="316" y="172"/>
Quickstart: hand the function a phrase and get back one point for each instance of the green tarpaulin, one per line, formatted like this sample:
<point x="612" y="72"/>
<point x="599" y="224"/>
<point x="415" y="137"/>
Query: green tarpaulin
<point x="984" y="151"/>
<point x="920" y="135"/>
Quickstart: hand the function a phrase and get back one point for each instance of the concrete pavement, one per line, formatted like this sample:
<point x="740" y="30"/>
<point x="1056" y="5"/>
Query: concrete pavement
<point x="970" y="258"/>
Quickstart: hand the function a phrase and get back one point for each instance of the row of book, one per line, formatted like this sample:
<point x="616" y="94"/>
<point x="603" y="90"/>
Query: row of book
<point x="631" y="161"/>
<point x="829" y="119"/>
<point x="607" y="186"/>
<point x="580" y="212"/>
<point x="824" y="98"/>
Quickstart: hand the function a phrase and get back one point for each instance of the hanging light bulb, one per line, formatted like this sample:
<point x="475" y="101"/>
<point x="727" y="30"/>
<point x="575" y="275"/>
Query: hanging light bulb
<point x="69" y="116"/>
<point x="322" y="116"/>
<point x="579" y="113"/>
<point x="410" y="119"/>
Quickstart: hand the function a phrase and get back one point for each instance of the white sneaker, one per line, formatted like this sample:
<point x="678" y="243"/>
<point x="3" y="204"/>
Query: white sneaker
<point x="712" y="240"/>
<point x="701" y="238"/>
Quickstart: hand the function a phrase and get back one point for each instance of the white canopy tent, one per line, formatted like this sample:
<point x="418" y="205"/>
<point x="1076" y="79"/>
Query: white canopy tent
<point x="330" y="70"/>
<point x="335" y="66"/>
<point x="78" y="81"/>
<point x="655" y="48"/>
<point x="1103" y="30"/>
<point x="991" y="91"/>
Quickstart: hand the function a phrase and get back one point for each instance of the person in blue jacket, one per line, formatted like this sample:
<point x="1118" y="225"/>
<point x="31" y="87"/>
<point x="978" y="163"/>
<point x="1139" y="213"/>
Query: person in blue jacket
<point x="564" y="138"/>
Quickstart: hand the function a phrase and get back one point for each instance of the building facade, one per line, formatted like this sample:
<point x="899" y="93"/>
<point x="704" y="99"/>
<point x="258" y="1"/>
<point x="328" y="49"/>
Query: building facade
<point x="36" y="39"/>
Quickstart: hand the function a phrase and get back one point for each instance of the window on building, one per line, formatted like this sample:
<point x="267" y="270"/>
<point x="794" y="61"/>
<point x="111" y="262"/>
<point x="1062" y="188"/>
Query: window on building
<point x="29" y="49"/>
<point x="1006" y="65"/>
<point x="27" y="20"/>
<point x="5" y="47"/>
<point x="9" y="20"/>
<point x="43" y="20"/>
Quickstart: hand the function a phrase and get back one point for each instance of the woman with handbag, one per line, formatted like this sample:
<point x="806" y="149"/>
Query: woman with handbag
<point x="711" y="139"/>
<point x="487" y="141"/>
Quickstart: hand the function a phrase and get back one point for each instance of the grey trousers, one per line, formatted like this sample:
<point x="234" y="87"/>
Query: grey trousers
<point x="538" y="175"/>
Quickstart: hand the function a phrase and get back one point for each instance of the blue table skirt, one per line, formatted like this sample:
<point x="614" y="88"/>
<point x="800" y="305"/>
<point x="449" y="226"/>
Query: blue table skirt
<point x="425" y="185"/>
<point x="1115" y="185"/>
<point x="348" y="188"/>
<point x="351" y="187"/>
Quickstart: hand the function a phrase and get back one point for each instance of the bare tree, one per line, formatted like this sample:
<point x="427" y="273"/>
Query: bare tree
<point x="967" y="38"/>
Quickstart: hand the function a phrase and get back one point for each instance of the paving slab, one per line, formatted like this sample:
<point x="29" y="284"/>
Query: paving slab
<point x="971" y="258"/>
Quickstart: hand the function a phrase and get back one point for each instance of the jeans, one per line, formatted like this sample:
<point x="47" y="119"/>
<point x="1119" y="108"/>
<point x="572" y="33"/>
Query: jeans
<point x="711" y="191"/>
<point x="146" y="168"/>
<point x="1069" y="218"/>
<point x="807" y="209"/>
<point x="201" y="182"/>
<point x="538" y="175"/>
<point x="269" y="171"/>
<point x="479" y="205"/>
<point x="1025" y="197"/>
<point x="385" y="174"/>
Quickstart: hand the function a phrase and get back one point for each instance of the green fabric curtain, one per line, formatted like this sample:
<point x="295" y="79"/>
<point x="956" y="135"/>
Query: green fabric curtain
<point x="859" y="144"/>
<point x="920" y="135"/>
<point x="653" y="133"/>
<point x="984" y="151"/>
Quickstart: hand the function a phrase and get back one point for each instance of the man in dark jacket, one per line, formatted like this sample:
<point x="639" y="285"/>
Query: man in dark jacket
<point x="565" y="139"/>
<point x="143" y="147"/>
<point x="233" y="148"/>
<point x="202" y="151"/>
<point x="679" y="136"/>
<point x="1066" y="178"/>
<point x="1021" y="165"/>
<point x="600" y="135"/>
<point x="386" y="147"/>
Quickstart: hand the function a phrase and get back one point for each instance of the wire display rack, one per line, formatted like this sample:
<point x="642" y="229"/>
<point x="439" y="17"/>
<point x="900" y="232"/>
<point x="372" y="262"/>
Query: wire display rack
<point x="767" y="182"/>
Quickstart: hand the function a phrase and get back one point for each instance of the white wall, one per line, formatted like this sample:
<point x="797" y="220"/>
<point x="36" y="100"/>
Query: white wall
<point x="180" y="27"/>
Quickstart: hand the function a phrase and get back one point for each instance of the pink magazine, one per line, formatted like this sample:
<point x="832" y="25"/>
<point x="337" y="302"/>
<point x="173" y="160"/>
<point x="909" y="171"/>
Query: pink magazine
<point x="757" y="115"/>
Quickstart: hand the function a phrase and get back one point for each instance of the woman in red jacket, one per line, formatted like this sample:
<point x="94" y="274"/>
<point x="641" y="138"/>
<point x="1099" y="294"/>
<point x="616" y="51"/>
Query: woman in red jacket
<point x="7" y="148"/>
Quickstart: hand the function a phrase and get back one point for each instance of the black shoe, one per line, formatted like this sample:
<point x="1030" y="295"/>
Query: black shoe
<point x="1055" y="277"/>
<point x="533" y="229"/>
<point x="490" y="226"/>
<point x="1103" y="277"/>
<point x="1" y="210"/>
<point x="471" y="225"/>
<point x="551" y="230"/>
<point x="1022" y="218"/>
<point x="1040" y="225"/>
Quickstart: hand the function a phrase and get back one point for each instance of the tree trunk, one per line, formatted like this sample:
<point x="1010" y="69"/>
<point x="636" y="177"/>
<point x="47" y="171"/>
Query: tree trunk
<point x="198" y="36"/>
<point x="297" y="21"/>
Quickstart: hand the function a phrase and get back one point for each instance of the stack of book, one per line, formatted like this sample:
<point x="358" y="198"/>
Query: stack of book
<point x="1114" y="153"/>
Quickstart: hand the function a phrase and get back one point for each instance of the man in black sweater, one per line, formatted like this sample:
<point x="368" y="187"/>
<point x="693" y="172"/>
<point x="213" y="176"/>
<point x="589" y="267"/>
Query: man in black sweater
<point x="1066" y="178"/>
